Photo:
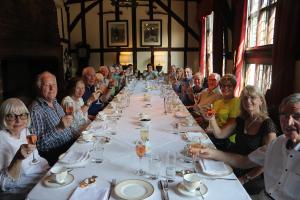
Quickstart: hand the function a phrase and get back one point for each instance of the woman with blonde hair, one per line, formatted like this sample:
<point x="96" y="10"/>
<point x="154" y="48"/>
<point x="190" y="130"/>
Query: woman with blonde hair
<point x="18" y="172"/>
<point x="253" y="129"/>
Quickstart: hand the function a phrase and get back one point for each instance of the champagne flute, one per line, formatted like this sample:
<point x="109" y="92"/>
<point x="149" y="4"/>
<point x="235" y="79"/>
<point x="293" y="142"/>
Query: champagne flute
<point x="140" y="150"/>
<point x="97" y="87"/>
<point x="31" y="139"/>
<point x="69" y="108"/>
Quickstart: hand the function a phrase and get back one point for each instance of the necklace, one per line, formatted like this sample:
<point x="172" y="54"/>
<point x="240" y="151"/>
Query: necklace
<point x="246" y="127"/>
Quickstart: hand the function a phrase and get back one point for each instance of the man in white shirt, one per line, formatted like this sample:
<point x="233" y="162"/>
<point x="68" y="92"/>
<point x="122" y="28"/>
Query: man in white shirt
<point x="281" y="158"/>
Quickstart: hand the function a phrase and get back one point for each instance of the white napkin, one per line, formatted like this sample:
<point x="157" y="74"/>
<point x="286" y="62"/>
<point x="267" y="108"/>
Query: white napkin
<point x="196" y="136"/>
<point x="74" y="157"/>
<point x="213" y="167"/>
<point x="91" y="192"/>
<point x="101" y="116"/>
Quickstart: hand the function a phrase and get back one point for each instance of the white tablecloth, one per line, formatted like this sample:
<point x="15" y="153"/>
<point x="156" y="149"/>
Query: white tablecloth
<point x="121" y="160"/>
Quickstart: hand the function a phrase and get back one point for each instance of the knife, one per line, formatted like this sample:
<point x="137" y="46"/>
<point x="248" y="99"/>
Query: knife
<point x="112" y="185"/>
<point x="164" y="190"/>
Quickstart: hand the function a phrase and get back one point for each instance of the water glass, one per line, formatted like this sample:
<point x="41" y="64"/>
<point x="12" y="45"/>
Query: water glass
<point x="171" y="165"/>
<point x="97" y="152"/>
<point x="154" y="166"/>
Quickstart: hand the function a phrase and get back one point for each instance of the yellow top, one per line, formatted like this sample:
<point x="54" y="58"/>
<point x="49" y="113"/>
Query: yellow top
<point x="226" y="109"/>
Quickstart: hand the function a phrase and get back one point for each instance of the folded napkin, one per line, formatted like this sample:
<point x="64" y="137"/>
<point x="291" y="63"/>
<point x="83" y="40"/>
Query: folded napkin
<point x="91" y="192"/>
<point x="74" y="157"/>
<point x="195" y="136"/>
<point x="101" y="116"/>
<point x="213" y="167"/>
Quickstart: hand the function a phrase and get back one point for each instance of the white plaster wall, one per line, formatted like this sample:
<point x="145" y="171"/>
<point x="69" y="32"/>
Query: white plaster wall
<point x="93" y="37"/>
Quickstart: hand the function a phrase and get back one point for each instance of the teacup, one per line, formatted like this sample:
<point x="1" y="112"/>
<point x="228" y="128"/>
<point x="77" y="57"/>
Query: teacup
<point x="59" y="174"/>
<point x="144" y="116"/>
<point x="87" y="136"/>
<point x="145" y="122"/>
<point x="191" y="182"/>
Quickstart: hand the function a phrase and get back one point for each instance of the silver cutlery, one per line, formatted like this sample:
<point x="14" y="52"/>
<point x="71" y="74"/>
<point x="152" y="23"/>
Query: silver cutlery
<point x="164" y="191"/>
<point x="112" y="185"/>
<point x="199" y="190"/>
<point x="219" y="178"/>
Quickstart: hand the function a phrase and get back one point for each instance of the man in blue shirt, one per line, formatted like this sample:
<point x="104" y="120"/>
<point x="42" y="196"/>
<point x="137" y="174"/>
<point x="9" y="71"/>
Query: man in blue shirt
<point x="49" y="122"/>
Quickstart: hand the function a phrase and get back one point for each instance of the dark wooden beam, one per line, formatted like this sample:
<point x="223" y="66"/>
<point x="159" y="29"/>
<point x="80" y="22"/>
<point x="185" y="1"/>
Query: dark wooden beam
<point x="101" y="32"/>
<point x="177" y="18"/>
<point x="134" y="36"/>
<point x="97" y="50"/>
<point x="186" y="34"/>
<point x="83" y="28"/>
<point x="68" y="27"/>
<point x="78" y="17"/>
<point x="169" y="35"/>
<point x="62" y="23"/>
<point x="151" y="18"/>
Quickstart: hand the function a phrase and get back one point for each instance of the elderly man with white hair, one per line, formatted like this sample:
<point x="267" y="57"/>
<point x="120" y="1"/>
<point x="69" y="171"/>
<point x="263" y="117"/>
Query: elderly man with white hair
<point x="49" y="122"/>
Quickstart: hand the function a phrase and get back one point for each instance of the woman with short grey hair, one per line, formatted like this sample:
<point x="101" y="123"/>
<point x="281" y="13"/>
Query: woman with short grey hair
<point x="17" y="172"/>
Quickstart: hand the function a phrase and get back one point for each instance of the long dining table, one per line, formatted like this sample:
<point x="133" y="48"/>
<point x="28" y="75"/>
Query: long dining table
<point x="121" y="161"/>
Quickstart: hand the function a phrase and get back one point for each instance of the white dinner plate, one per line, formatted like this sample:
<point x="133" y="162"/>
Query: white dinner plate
<point x="49" y="182"/>
<point x="203" y="189"/>
<point x="133" y="189"/>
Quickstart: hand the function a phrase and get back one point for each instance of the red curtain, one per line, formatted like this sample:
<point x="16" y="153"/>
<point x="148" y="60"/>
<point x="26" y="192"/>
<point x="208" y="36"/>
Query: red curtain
<point x="205" y="7"/>
<point x="238" y="40"/>
<point x="285" y="47"/>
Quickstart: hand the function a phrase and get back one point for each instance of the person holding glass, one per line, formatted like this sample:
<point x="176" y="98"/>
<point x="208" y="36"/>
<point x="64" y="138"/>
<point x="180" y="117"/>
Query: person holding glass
<point x="89" y="78"/>
<point x="280" y="158"/>
<point x="225" y="109"/>
<point x="75" y="91"/>
<point x="51" y="124"/>
<point x="18" y="171"/>
<point x="253" y="129"/>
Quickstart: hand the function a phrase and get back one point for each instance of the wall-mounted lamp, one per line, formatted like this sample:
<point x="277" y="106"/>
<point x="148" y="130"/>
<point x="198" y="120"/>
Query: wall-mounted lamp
<point x="160" y="60"/>
<point x="125" y="58"/>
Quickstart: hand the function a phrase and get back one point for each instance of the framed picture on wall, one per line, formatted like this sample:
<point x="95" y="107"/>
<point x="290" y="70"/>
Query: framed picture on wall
<point x="151" y="32"/>
<point x="117" y="33"/>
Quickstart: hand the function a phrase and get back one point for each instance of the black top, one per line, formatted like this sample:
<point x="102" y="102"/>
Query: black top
<point x="244" y="143"/>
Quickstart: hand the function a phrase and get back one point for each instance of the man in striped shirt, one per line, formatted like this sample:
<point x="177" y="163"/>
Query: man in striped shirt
<point x="49" y="122"/>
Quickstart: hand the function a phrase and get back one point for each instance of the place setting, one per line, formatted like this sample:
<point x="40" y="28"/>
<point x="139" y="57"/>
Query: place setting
<point x="86" y="136"/>
<point x="192" y="186"/>
<point x="74" y="159"/>
<point x="59" y="177"/>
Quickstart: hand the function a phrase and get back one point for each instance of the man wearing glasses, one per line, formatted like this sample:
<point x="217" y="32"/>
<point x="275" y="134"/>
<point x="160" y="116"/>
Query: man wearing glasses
<point x="280" y="159"/>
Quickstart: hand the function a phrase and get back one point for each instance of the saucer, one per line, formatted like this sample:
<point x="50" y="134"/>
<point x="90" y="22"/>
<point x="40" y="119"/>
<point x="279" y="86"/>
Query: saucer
<point x="49" y="182"/>
<point x="203" y="189"/>
<point x="81" y="140"/>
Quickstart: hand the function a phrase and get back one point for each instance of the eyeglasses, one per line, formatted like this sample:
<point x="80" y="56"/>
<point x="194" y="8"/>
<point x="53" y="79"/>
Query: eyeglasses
<point x="295" y="116"/>
<point x="228" y="86"/>
<point x="13" y="117"/>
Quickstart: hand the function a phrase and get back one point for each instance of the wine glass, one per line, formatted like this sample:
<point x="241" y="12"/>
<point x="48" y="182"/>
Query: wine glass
<point x="31" y="139"/>
<point x="140" y="150"/>
<point x="97" y="87"/>
<point x="69" y="108"/>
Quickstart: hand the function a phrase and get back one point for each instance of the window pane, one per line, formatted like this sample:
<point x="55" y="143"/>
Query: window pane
<point x="271" y="23"/>
<point x="264" y="3"/>
<point x="261" y="32"/>
<point x="259" y="75"/>
<point x="252" y="32"/>
<point x="254" y="6"/>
